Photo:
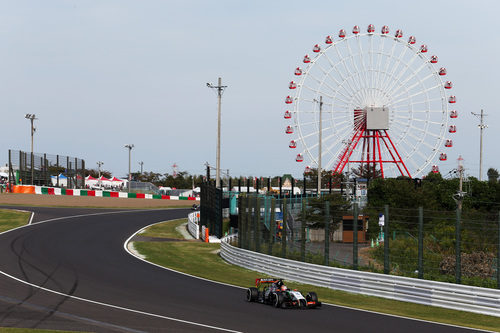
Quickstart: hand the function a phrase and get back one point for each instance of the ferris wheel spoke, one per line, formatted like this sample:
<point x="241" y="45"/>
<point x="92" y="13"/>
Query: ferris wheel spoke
<point x="348" y="71"/>
<point x="426" y="90"/>
<point x="419" y="81"/>
<point x="355" y="66"/>
<point x="364" y="71"/>
<point x="335" y="67"/>
<point x="379" y="61"/>
<point x="388" y="63"/>
<point x="407" y="65"/>
<point x="396" y="64"/>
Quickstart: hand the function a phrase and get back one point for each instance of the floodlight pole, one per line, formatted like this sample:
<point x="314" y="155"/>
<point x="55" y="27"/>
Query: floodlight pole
<point x="481" y="126"/>
<point x="32" y="118"/>
<point x="129" y="146"/>
<point x="220" y="90"/>
<point x="141" y="163"/>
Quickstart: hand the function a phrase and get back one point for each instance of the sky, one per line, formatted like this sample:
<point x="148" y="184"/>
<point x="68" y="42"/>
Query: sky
<point x="99" y="74"/>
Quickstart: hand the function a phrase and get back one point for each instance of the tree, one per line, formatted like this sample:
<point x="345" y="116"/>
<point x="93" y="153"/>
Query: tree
<point x="368" y="171"/>
<point x="492" y="175"/>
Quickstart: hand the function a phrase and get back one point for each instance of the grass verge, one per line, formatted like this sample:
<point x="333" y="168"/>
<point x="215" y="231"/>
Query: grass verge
<point x="202" y="259"/>
<point x="10" y="219"/>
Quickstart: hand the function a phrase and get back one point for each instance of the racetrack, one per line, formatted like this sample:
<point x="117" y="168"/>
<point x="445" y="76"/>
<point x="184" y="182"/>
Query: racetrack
<point x="80" y="256"/>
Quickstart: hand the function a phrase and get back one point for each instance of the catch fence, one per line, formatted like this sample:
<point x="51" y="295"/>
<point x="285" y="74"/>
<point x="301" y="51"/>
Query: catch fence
<point x="45" y="170"/>
<point x="453" y="246"/>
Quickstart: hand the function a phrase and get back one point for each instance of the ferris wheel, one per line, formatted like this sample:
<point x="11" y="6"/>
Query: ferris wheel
<point x="373" y="99"/>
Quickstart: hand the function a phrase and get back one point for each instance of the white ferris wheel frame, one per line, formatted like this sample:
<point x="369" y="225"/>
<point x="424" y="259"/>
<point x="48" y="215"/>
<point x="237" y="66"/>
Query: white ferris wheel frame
<point x="372" y="83"/>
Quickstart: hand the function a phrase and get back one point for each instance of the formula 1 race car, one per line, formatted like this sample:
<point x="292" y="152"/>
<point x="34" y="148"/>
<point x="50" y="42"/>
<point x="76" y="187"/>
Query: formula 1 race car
<point x="274" y="292"/>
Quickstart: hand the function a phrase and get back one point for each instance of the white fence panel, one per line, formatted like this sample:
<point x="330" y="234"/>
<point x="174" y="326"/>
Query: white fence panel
<point x="194" y="224"/>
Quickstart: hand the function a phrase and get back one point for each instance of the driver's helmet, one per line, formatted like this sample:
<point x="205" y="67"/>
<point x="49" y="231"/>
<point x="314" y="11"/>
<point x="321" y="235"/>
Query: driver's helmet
<point x="283" y="288"/>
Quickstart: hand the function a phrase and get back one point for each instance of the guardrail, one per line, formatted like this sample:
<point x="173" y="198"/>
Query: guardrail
<point x="446" y="295"/>
<point x="194" y="224"/>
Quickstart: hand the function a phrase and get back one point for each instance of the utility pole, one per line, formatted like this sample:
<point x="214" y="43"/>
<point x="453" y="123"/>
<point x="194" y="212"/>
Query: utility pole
<point x="32" y="118"/>
<point x="481" y="126"/>
<point x="129" y="146"/>
<point x="141" y="163"/>
<point x="220" y="90"/>
<point x="320" y="139"/>
<point x="459" y="196"/>
<point x="99" y="164"/>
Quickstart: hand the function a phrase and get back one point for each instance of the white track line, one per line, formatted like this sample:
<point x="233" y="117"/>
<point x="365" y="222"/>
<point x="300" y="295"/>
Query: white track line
<point x="100" y="303"/>
<point x="334" y="305"/>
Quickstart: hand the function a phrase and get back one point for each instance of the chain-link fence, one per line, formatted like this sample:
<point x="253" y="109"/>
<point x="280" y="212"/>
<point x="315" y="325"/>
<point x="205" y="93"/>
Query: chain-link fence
<point x="46" y="170"/>
<point x="452" y="246"/>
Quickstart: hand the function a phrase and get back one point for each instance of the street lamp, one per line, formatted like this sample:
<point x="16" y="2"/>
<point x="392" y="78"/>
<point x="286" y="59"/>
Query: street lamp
<point x="220" y="90"/>
<point x="129" y="146"/>
<point x="99" y="168"/>
<point x="32" y="118"/>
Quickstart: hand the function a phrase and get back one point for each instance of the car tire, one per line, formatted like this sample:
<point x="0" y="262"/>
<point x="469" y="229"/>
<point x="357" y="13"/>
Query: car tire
<point x="252" y="294"/>
<point x="312" y="297"/>
<point x="277" y="300"/>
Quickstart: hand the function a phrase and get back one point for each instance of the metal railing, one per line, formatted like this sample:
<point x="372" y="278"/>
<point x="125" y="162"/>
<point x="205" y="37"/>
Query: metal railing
<point x="441" y="294"/>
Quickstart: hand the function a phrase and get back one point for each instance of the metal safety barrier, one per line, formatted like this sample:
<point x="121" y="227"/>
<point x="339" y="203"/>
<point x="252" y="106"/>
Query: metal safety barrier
<point x="446" y="295"/>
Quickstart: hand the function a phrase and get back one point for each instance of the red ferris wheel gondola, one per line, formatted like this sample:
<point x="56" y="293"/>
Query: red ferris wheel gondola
<point x="298" y="71"/>
<point x="448" y="143"/>
<point x="299" y="158"/>
<point x="288" y="100"/>
<point x="443" y="157"/>
<point x="399" y="33"/>
<point x="371" y="28"/>
<point x="448" y="85"/>
<point x="434" y="59"/>
<point x="306" y="60"/>
<point x="412" y="40"/>
<point x="329" y="40"/>
<point x="288" y="115"/>
<point x="423" y="48"/>
<point x="342" y="33"/>
<point x="435" y="169"/>
<point x="385" y="30"/>
<point x="453" y="114"/>
<point x="452" y="129"/>
<point x="355" y="30"/>
<point x="452" y="99"/>
<point x="289" y="130"/>
<point x="316" y="48"/>
<point x="442" y="71"/>
<point x="292" y="85"/>
<point x="292" y="144"/>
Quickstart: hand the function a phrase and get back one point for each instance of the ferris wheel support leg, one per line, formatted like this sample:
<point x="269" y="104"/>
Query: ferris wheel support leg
<point x="392" y="155"/>
<point x="377" y="134"/>
<point x="348" y="150"/>
<point x="397" y="153"/>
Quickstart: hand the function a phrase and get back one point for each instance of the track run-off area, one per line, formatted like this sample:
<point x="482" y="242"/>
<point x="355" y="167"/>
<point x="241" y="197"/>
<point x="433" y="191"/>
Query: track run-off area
<point x="69" y="270"/>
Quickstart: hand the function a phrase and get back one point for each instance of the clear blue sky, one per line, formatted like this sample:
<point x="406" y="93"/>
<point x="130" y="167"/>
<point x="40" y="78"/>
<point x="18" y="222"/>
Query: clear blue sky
<point x="100" y="74"/>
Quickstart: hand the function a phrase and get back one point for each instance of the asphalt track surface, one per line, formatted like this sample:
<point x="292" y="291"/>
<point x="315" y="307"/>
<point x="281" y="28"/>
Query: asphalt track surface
<point x="96" y="286"/>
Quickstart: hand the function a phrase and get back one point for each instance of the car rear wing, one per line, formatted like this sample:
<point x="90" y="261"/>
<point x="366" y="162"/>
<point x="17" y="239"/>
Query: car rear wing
<point x="260" y="281"/>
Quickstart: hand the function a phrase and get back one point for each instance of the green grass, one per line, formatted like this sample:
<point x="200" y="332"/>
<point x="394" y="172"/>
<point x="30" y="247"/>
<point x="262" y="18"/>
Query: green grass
<point x="164" y="230"/>
<point x="10" y="219"/>
<point x="201" y="259"/>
